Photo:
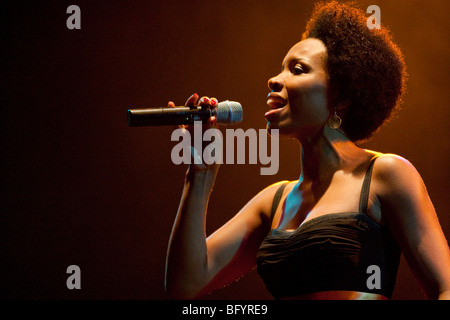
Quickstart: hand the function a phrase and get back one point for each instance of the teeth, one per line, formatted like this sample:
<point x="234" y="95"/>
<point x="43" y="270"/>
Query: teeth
<point x="275" y="103"/>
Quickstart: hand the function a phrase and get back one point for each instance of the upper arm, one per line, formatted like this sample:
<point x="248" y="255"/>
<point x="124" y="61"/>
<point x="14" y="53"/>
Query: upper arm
<point x="413" y="222"/>
<point x="232" y="249"/>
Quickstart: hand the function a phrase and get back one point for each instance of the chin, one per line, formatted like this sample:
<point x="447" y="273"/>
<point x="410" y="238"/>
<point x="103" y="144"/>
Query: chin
<point x="282" y="131"/>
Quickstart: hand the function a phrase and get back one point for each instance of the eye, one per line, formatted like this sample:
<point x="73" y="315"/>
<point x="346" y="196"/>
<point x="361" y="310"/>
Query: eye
<point x="298" y="69"/>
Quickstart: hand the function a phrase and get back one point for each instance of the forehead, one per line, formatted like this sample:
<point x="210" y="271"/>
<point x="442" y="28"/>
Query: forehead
<point x="311" y="50"/>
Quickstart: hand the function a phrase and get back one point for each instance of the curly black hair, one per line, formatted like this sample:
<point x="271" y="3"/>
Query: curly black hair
<point x="364" y="64"/>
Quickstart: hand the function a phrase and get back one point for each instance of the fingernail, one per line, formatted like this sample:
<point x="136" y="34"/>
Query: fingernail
<point x="204" y="100"/>
<point x="214" y="102"/>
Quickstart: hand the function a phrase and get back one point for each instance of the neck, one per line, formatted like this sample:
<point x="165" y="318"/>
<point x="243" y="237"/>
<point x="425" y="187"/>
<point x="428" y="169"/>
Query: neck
<point x="327" y="153"/>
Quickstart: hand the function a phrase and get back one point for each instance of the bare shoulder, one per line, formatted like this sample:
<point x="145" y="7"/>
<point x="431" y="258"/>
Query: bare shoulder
<point x="394" y="171"/>
<point x="389" y="161"/>
<point x="399" y="186"/>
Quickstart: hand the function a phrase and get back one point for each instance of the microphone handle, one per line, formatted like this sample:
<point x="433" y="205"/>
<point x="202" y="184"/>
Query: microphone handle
<point x="166" y="116"/>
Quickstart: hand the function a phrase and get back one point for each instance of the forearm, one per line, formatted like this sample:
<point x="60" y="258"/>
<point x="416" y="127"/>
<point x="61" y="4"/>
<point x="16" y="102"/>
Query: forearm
<point x="186" y="265"/>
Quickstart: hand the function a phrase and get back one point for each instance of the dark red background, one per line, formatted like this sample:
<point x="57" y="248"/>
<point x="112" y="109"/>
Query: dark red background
<point x="78" y="186"/>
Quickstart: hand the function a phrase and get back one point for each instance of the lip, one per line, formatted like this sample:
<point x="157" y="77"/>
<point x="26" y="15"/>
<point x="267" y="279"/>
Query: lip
<point x="276" y="104"/>
<point x="274" y="101"/>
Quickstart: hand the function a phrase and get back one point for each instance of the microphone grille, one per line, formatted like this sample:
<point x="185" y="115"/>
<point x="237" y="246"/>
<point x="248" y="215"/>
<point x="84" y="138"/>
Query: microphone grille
<point x="228" y="112"/>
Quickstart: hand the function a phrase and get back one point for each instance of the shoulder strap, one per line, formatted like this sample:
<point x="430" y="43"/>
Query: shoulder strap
<point x="364" y="199"/>
<point x="276" y="199"/>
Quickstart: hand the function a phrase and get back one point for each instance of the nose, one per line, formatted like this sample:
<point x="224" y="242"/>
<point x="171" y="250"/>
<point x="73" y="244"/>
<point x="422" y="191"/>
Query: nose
<point x="275" y="84"/>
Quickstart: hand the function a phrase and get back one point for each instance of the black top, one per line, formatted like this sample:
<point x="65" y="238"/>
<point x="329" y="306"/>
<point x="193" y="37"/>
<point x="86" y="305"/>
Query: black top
<point x="337" y="251"/>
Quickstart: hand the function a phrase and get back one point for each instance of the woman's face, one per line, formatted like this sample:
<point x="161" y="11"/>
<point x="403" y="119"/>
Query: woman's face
<point x="298" y="100"/>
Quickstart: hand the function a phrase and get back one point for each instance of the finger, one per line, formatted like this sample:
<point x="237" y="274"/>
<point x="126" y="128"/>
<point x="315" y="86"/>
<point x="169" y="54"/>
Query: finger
<point x="192" y="100"/>
<point x="212" y="122"/>
<point x="204" y="102"/>
<point x="209" y="103"/>
<point x="214" y="103"/>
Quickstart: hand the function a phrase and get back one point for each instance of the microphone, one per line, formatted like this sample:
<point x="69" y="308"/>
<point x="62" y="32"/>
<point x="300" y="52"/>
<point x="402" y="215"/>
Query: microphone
<point x="227" y="112"/>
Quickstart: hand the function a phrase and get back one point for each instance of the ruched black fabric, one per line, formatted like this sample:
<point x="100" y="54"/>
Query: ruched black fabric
<point x="330" y="252"/>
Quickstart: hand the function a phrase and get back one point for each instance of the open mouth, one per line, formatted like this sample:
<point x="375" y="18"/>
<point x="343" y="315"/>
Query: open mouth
<point x="275" y="103"/>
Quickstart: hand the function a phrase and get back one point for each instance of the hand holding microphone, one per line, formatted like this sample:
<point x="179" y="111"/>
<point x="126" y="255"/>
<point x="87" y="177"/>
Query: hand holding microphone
<point x="225" y="112"/>
<point x="198" y="112"/>
<point x="200" y="105"/>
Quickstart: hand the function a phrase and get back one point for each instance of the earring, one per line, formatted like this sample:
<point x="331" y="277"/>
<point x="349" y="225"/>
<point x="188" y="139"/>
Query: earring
<point x="334" y="122"/>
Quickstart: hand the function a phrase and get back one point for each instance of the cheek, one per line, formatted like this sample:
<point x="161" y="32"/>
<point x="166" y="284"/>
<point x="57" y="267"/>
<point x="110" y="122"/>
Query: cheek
<point x="311" y="101"/>
<point x="318" y="100"/>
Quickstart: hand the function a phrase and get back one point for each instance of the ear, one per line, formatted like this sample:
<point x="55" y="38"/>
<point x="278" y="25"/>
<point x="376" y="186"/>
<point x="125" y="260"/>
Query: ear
<point x="342" y="105"/>
<point x="338" y="100"/>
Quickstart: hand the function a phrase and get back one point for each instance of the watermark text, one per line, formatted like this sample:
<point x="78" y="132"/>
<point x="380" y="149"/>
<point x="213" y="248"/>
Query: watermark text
<point x="188" y="150"/>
